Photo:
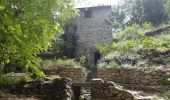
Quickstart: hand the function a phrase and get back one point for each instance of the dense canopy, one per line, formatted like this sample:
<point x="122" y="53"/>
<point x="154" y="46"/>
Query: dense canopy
<point x="27" y="27"/>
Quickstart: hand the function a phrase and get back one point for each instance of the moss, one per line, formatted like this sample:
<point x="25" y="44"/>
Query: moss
<point x="165" y="80"/>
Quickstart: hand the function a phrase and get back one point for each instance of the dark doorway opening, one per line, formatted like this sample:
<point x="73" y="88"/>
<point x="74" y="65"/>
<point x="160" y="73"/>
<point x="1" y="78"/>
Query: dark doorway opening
<point x="76" y="92"/>
<point x="97" y="57"/>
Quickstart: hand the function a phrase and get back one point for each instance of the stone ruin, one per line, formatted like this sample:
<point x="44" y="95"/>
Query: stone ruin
<point x="49" y="89"/>
<point x="147" y="77"/>
<point x="107" y="90"/>
<point x="62" y="89"/>
<point x="102" y="88"/>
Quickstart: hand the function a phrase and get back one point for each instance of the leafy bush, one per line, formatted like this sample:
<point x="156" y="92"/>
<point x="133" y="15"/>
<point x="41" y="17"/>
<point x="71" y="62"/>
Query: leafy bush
<point x="28" y="27"/>
<point x="7" y="81"/>
<point x="104" y="49"/>
<point x="61" y="63"/>
<point x="65" y="44"/>
<point x="130" y="32"/>
<point x="149" y="43"/>
<point x="125" y="47"/>
<point x="165" y="39"/>
<point x="132" y="46"/>
<point x="133" y="32"/>
<point x="82" y="60"/>
<point x="108" y="64"/>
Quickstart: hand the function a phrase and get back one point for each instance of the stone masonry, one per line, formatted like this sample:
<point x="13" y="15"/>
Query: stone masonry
<point x="49" y="89"/>
<point x="135" y="76"/>
<point x="118" y="75"/>
<point x="108" y="90"/>
<point x="76" y="74"/>
<point x="93" y="26"/>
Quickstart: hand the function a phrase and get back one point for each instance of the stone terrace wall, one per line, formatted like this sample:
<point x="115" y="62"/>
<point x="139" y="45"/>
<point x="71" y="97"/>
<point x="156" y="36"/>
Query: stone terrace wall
<point x="101" y="90"/>
<point x="49" y="89"/>
<point x="134" y="76"/>
<point x="76" y="74"/>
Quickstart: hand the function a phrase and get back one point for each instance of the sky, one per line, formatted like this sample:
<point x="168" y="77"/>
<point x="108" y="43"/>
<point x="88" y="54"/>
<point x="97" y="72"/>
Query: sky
<point x="96" y="2"/>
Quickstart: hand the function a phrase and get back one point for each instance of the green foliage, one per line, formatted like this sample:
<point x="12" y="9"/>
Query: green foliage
<point x="82" y="60"/>
<point x="165" y="38"/>
<point x="130" y="12"/>
<point x="7" y="81"/>
<point x="61" y="63"/>
<point x="64" y="45"/>
<point x="167" y="6"/>
<point x="113" y="64"/>
<point x="146" y="26"/>
<point x="103" y="49"/>
<point x="133" y="32"/>
<point x="148" y="42"/>
<point x="118" y="17"/>
<point x="165" y="80"/>
<point x="132" y="46"/>
<point x="125" y="47"/>
<point x="108" y="64"/>
<point x="130" y="32"/>
<point x="28" y="27"/>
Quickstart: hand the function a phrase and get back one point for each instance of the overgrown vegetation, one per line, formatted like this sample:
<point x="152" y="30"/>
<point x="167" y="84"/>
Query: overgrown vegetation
<point x="134" y="48"/>
<point x="61" y="63"/>
<point x="28" y="28"/>
<point x="10" y="79"/>
<point x="129" y="12"/>
<point x="64" y="45"/>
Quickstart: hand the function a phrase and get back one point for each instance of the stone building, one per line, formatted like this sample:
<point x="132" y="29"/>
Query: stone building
<point x="93" y="27"/>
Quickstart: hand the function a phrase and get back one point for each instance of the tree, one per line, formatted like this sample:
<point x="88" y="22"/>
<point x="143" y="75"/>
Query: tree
<point x="167" y="6"/>
<point x="64" y="46"/>
<point x="154" y="11"/>
<point x="118" y="18"/>
<point x="27" y="27"/>
<point x="141" y="11"/>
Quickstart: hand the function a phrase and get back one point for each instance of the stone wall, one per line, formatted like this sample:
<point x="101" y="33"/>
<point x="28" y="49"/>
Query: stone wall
<point x="97" y="29"/>
<point x="134" y="75"/>
<point x="76" y="74"/>
<point x="49" y="89"/>
<point x="101" y="90"/>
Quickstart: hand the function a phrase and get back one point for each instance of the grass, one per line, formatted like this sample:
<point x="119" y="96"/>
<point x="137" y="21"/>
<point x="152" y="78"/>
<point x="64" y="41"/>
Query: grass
<point x="7" y="80"/>
<point x="61" y="63"/>
<point x="132" y="47"/>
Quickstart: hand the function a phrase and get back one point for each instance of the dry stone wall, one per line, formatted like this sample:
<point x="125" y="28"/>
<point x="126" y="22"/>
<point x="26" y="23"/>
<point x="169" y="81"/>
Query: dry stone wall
<point x="134" y="75"/>
<point x="49" y="89"/>
<point x="101" y="90"/>
<point x="76" y="74"/>
<point x="119" y="75"/>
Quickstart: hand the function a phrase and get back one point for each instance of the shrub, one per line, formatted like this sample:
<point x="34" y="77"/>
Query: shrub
<point x="61" y="63"/>
<point x="149" y="43"/>
<point x="130" y="32"/>
<point x="133" y="46"/>
<point x="104" y="49"/>
<point x="125" y="47"/>
<point x="165" y="39"/>
<point x="7" y="81"/>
